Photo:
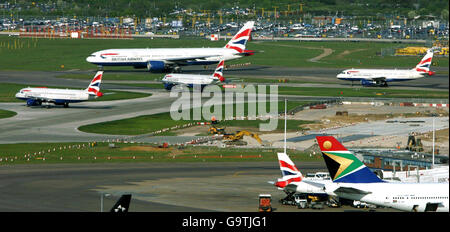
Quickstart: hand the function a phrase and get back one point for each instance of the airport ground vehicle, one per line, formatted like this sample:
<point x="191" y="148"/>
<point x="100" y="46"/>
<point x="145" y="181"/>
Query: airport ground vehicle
<point x="265" y="203"/>
<point x="216" y="130"/>
<point x="236" y="138"/>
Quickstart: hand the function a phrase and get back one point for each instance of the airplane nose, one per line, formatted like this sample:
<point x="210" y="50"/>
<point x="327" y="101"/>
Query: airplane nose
<point x="340" y="76"/>
<point x="91" y="58"/>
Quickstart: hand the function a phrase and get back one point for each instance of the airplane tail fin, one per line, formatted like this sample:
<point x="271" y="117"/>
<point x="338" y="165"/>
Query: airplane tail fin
<point x="342" y="164"/>
<point x="239" y="41"/>
<point x="424" y="65"/>
<point x="289" y="171"/>
<point x="122" y="204"/>
<point x="218" y="73"/>
<point x="94" y="86"/>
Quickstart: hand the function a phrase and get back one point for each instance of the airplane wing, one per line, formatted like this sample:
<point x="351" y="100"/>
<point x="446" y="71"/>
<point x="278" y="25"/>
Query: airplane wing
<point x="351" y="190"/>
<point x="318" y="185"/>
<point x="378" y="78"/>
<point x="188" y="58"/>
<point x="42" y="99"/>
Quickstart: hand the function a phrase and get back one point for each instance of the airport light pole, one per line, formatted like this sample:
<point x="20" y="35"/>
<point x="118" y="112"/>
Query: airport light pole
<point x="285" y="123"/>
<point x="432" y="159"/>
<point x="101" y="200"/>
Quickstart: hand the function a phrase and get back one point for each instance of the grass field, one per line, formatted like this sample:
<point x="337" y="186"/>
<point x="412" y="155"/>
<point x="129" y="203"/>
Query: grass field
<point x="9" y="90"/>
<point x="151" y="123"/>
<point x="33" y="153"/>
<point x="361" y="92"/>
<point x="6" y="113"/>
<point x="27" y="53"/>
<point x="117" y="77"/>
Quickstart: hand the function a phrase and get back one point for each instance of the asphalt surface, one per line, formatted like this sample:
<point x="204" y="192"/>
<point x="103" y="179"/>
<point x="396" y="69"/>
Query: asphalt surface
<point x="78" y="187"/>
<point x="324" y="77"/>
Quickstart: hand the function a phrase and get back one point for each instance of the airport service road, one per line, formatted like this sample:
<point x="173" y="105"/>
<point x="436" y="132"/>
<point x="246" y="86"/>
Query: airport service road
<point x="156" y="187"/>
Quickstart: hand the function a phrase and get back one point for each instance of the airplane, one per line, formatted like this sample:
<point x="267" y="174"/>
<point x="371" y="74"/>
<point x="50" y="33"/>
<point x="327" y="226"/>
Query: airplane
<point x="170" y="59"/>
<point x="293" y="181"/>
<point x="353" y="180"/>
<point x="122" y="205"/>
<point x="35" y="96"/>
<point x="190" y="80"/>
<point x="380" y="77"/>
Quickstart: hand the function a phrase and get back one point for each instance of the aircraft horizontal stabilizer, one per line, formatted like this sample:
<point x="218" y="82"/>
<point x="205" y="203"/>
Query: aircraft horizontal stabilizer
<point x="351" y="190"/>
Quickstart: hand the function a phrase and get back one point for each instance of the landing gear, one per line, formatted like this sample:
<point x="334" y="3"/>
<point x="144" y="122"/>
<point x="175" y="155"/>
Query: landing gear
<point x="66" y="105"/>
<point x="177" y="69"/>
<point x="99" y="67"/>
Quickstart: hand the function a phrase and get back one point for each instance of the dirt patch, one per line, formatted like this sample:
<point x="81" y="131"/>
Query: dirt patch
<point x="440" y="136"/>
<point x="332" y="121"/>
<point x="326" y="52"/>
<point x="347" y="52"/>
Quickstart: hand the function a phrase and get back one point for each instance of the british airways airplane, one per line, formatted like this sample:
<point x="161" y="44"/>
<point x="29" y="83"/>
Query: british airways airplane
<point x="168" y="59"/>
<point x="37" y="95"/>
<point x="190" y="80"/>
<point x="353" y="180"/>
<point x="380" y="77"/>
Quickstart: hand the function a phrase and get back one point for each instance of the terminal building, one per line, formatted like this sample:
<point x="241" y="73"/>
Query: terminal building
<point x="398" y="160"/>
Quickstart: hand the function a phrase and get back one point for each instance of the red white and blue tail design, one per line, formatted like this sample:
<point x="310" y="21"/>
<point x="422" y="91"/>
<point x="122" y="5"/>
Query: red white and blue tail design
<point x="218" y="73"/>
<point x="94" y="87"/>
<point x="239" y="41"/>
<point x="342" y="164"/>
<point x="424" y="65"/>
<point x="289" y="171"/>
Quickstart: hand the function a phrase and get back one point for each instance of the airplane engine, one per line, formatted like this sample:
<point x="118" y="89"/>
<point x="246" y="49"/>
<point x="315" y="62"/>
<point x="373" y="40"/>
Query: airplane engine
<point x="33" y="102"/>
<point x="368" y="83"/>
<point x="373" y="83"/>
<point x="156" y="66"/>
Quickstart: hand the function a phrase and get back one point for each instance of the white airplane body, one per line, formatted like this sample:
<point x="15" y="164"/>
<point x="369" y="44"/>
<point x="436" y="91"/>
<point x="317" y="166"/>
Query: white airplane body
<point x="380" y="77"/>
<point x="353" y="180"/>
<point x="434" y="175"/>
<point x="401" y="196"/>
<point x="38" y="95"/>
<point x="191" y="80"/>
<point x="161" y="59"/>
<point x="294" y="181"/>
